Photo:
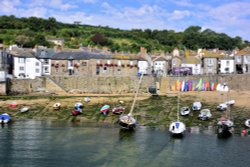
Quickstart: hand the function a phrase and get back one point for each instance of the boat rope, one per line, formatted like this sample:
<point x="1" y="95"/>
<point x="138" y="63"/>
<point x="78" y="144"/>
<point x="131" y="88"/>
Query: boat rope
<point x="136" y="94"/>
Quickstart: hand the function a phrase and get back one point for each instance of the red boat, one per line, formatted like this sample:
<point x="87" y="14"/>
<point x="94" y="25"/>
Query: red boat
<point x="76" y="112"/>
<point x="118" y="110"/>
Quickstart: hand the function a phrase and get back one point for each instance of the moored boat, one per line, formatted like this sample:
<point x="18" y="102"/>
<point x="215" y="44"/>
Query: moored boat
<point x="196" y="106"/>
<point x="105" y="109"/>
<point x="56" y="106"/>
<point x="118" y="110"/>
<point x="225" y="127"/>
<point x="24" y="109"/>
<point x="247" y="123"/>
<point x="127" y="122"/>
<point x="222" y="107"/>
<point x="4" y="118"/>
<point x="185" y="111"/>
<point x="177" y="128"/>
<point x="205" y="114"/>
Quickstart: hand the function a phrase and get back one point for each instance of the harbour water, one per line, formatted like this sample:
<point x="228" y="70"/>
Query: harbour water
<point x="29" y="143"/>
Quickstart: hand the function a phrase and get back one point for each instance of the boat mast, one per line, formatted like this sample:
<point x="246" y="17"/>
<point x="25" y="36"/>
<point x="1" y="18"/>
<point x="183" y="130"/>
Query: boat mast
<point x="136" y="94"/>
<point x="178" y="106"/>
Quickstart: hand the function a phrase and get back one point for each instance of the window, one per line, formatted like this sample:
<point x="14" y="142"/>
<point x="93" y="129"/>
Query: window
<point x="119" y="71"/>
<point x="46" y="61"/>
<point x="84" y="63"/>
<point x="37" y="70"/>
<point x="97" y="70"/>
<point x="238" y="59"/>
<point x="21" y="60"/>
<point x="37" y="63"/>
<point x="210" y="61"/>
<point x="21" y="68"/>
<point x="105" y="71"/>
<point x="46" y="70"/>
<point x="227" y="63"/>
<point x="119" y="63"/>
<point x="56" y="70"/>
<point x="131" y="63"/>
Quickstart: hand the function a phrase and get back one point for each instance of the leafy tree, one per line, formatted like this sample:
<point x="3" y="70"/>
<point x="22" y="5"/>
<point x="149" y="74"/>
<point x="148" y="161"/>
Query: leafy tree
<point x="22" y="40"/>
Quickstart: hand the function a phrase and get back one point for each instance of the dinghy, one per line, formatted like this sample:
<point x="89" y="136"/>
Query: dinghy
<point x="177" y="128"/>
<point x="105" y="109"/>
<point x="86" y="99"/>
<point x="118" y="110"/>
<point x="247" y="123"/>
<point x="205" y="114"/>
<point x="225" y="127"/>
<point x="4" y="118"/>
<point x="57" y="106"/>
<point x="185" y="111"/>
<point x="24" y="109"/>
<point x="222" y="107"/>
<point x="127" y="122"/>
<point x="78" y="109"/>
<point x="196" y="106"/>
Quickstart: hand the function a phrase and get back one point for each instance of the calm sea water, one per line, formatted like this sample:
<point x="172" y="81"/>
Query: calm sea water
<point x="46" y="143"/>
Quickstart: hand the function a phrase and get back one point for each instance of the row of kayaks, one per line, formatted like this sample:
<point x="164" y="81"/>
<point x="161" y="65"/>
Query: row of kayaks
<point x="190" y="85"/>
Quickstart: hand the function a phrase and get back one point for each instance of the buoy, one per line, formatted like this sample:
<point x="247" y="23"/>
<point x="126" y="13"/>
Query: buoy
<point x="244" y="132"/>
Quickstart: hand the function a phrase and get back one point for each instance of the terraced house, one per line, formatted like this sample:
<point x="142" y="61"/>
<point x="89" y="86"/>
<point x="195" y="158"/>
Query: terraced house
<point x="93" y="64"/>
<point x="242" y="61"/>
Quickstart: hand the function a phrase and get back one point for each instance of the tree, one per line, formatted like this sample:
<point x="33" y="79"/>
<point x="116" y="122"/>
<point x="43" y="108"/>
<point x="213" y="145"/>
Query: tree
<point x="99" y="39"/>
<point x="22" y="40"/>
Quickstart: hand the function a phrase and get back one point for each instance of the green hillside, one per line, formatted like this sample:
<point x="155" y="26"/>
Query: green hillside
<point x="28" y="32"/>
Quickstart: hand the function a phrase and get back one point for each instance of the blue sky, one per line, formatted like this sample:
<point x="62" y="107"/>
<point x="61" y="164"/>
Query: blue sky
<point x="229" y="16"/>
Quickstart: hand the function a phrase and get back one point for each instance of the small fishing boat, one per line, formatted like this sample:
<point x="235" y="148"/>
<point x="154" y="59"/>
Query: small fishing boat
<point x="4" y="118"/>
<point x="78" y="106"/>
<point x="225" y="127"/>
<point x="127" y="122"/>
<point x="230" y="102"/>
<point x="247" y="123"/>
<point x="185" y="111"/>
<point x="57" y="106"/>
<point x="205" y="114"/>
<point x="196" y="106"/>
<point x="222" y="107"/>
<point x="24" y="109"/>
<point x="86" y="99"/>
<point x="177" y="128"/>
<point x="105" y="109"/>
<point x="78" y="109"/>
<point x="118" y="110"/>
<point x="13" y="104"/>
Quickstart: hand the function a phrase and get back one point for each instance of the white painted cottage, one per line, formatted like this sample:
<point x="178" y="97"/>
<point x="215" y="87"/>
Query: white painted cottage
<point x="25" y="64"/>
<point x="227" y="66"/>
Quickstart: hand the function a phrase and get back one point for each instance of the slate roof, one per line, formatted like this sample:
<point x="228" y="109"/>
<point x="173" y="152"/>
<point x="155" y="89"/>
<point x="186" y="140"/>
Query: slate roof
<point x="48" y="53"/>
<point x="88" y="56"/>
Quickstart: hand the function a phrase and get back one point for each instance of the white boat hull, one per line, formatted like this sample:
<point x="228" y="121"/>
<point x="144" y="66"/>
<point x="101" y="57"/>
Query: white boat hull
<point x="177" y="128"/>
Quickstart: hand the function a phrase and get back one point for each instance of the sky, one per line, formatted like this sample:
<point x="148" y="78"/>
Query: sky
<point x="223" y="16"/>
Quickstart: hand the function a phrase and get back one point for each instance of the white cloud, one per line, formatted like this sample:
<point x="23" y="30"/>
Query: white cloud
<point x="8" y="7"/>
<point x="178" y="15"/>
<point x="89" y="1"/>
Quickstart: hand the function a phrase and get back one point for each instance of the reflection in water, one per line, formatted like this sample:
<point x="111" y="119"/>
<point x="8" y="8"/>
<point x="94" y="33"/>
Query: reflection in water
<point x="54" y="143"/>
